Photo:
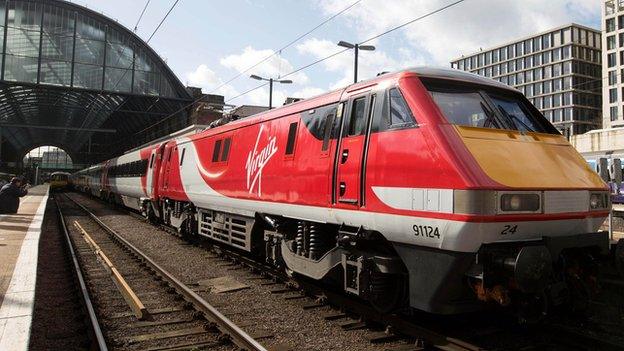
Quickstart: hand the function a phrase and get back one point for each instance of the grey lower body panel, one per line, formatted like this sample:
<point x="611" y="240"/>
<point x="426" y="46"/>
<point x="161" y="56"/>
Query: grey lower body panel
<point x="437" y="280"/>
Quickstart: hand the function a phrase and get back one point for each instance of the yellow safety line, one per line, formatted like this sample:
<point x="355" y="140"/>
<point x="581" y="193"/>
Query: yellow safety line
<point x="139" y="310"/>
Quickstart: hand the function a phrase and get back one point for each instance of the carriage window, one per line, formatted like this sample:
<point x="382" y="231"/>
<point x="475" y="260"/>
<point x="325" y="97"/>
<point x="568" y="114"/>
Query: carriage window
<point x="226" y="149"/>
<point x="152" y="161"/>
<point x="357" y="124"/>
<point x="216" y="151"/>
<point x="182" y="157"/>
<point x="292" y="133"/>
<point x="400" y="114"/>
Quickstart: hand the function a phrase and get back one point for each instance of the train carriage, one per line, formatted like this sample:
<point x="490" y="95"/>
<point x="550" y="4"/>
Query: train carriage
<point x="429" y="188"/>
<point x="59" y="180"/>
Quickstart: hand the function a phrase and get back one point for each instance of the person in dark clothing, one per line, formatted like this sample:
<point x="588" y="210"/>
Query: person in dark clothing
<point x="10" y="194"/>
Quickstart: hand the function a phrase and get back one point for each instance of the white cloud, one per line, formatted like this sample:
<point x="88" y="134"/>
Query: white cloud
<point x="308" y="92"/>
<point x="208" y="80"/>
<point x="463" y="28"/>
<point x="261" y="97"/>
<point x="370" y="63"/>
<point x="273" y="67"/>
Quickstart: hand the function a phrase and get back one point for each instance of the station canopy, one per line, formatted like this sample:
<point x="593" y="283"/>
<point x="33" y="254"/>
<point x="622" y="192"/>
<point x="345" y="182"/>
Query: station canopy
<point x="73" y="78"/>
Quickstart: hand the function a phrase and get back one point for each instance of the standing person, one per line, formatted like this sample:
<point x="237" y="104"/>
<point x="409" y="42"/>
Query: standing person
<point x="10" y="194"/>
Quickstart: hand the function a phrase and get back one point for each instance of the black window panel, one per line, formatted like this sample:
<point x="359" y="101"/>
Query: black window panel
<point x="152" y="161"/>
<point x="292" y="133"/>
<point x="399" y="113"/>
<point x="182" y="156"/>
<point x="486" y="107"/>
<point x="329" y="122"/>
<point x="357" y="122"/>
<point x="226" y="149"/>
<point x="216" y="151"/>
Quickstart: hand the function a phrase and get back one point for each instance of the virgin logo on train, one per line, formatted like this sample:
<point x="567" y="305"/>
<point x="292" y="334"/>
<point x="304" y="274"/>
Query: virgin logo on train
<point x="256" y="160"/>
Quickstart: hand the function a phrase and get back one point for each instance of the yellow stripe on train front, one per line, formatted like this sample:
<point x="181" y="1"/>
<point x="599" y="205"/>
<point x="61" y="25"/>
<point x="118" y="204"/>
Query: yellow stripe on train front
<point x="529" y="160"/>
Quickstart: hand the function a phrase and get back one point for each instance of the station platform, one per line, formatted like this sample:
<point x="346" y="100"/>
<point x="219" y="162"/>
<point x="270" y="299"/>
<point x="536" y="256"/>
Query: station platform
<point x="19" y="243"/>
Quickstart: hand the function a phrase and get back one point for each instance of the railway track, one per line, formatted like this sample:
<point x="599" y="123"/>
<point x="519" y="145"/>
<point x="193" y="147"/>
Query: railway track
<point x="350" y="314"/>
<point x="176" y="318"/>
<point x="96" y="331"/>
<point x="430" y="334"/>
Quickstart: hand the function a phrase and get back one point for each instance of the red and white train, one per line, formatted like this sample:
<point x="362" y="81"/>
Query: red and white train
<point x="429" y="188"/>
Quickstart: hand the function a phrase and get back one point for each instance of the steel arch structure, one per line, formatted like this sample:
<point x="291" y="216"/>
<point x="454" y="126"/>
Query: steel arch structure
<point x="69" y="76"/>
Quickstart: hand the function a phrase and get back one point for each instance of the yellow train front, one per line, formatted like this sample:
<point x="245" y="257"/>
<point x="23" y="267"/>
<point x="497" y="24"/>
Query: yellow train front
<point x="59" y="181"/>
<point x="522" y="226"/>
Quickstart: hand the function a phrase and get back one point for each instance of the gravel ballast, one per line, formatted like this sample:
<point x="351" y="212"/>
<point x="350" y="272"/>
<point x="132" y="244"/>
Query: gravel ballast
<point x="255" y="309"/>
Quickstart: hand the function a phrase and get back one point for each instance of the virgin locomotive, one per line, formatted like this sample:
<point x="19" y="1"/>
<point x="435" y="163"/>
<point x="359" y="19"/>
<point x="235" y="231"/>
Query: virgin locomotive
<point x="427" y="188"/>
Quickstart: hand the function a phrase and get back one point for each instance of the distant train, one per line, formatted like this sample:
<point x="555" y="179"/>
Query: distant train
<point x="426" y="188"/>
<point x="59" y="180"/>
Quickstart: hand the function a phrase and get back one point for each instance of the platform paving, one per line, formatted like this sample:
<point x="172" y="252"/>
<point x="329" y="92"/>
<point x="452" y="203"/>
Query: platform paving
<point x="19" y="242"/>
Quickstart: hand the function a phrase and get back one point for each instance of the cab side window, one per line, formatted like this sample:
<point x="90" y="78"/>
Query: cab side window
<point x="396" y="111"/>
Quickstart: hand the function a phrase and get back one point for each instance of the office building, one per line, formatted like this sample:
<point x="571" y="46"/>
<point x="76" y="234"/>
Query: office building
<point x="558" y="70"/>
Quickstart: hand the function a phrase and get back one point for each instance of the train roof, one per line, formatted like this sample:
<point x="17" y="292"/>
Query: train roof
<point x="334" y="96"/>
<point x="457" y="75"/>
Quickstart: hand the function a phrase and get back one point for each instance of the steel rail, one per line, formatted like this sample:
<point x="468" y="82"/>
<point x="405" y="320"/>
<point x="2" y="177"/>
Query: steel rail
<point x="401" y="326"/>
<point x="95" y="325"/>
<point x="131" y="298"/>
<point x="224" y="324"/>
<point x="398" y="324"/>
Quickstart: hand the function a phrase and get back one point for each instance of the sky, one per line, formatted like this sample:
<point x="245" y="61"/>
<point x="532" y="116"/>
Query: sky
<point x="208" y="42"/>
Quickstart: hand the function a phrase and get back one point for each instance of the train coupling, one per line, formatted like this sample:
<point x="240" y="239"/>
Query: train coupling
<point x="549" y="267"/>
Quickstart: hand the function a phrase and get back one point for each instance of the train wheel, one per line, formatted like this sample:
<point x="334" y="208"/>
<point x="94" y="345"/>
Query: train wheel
<point x="187" y="230"/>
<point x="388" y="292"/>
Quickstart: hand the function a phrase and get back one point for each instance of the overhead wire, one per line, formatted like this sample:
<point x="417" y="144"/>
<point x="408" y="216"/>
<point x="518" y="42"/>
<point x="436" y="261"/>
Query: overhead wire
<point x="136" y="26"/>
<point x="255" y="65"/>
<point x="125" y="72"/>
<point x="279" y="51"/>
<point x="307" y="65"/>
<point x="120" y="56"/>
<point x="162" y="21"/>
<point x="413" y="20"/>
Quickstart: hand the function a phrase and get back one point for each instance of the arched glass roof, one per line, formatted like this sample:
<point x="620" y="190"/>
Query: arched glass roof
<point x="66" y="66"/>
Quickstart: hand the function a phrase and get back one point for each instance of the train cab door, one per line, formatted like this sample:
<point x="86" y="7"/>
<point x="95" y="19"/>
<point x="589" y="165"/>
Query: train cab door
<point x="351" y="151"/>
<point x="152" y="178"/>
<point x="166" y="165"/>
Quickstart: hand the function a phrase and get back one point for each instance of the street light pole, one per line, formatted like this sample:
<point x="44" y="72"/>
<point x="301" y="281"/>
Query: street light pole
<point x="270" y="93"/>
<point x="271" y="80"/>
<point x="356" y="50"/>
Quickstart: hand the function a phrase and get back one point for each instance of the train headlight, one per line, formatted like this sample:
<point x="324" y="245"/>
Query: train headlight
<point x="598" y="201"/>
<point x="520" y="202"/>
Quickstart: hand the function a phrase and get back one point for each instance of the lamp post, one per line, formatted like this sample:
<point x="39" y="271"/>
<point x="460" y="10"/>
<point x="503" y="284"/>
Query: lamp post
<point x="356" y="48"/>
<point x="271" y="80"/>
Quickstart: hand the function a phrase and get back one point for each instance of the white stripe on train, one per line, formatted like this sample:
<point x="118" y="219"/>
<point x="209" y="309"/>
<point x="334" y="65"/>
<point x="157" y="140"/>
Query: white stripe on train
<point x="453" y="235"/>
